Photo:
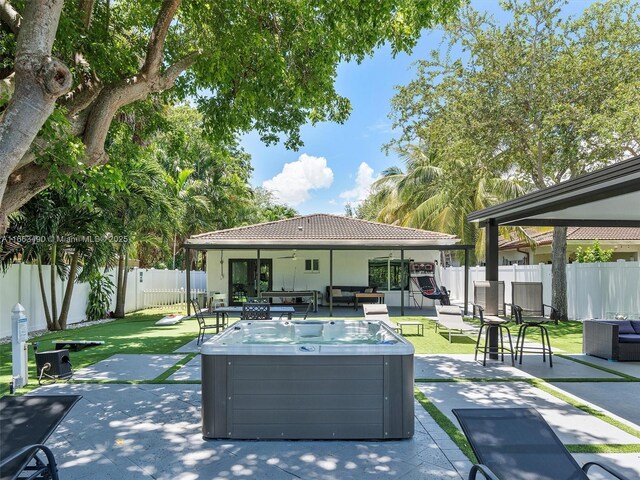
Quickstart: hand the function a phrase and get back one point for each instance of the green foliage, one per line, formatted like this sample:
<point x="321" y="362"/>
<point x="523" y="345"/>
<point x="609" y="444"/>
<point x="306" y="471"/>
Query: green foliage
<point x="542" y="98"/>
<point x="264" y="66"/>
<point x="593" y="254"/>
<point x="101" y="290"/>
<point x="428" y="196"/>
<point x="263" y="208"/>
<point x="523" y="106"/>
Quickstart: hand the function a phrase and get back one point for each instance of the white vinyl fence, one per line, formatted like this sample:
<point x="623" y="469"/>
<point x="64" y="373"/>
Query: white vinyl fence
<point x="146" y="288"/>
<point x="594" y="290"/>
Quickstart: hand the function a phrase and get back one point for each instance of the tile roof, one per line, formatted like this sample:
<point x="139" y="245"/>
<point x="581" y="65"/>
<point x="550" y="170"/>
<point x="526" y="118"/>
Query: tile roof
<point x="320" y="228"/>
<point x="579" y="233"/>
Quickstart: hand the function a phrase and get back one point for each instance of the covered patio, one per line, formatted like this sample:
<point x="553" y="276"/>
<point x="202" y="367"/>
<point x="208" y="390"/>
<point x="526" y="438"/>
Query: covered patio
<point x="606" y="197"/>
<point x="318" y="254"/>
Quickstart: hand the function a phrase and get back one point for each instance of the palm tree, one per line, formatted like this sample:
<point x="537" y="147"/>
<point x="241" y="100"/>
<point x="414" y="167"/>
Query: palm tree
<point x="192" y="206"/>
<point x="64" y="233"/>
<point x="141" y="212"/>
<point x="426" y="195"/>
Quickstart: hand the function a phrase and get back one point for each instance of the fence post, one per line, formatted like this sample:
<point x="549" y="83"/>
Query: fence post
<point x="19" y="336"/>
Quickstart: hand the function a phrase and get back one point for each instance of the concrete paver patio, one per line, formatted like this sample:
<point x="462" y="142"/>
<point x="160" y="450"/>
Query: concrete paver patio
<point x="148" y="431"/>
<point x="153" y="431"/>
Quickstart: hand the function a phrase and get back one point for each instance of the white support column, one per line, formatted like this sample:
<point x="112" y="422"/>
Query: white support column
<point x="19" y="335"/>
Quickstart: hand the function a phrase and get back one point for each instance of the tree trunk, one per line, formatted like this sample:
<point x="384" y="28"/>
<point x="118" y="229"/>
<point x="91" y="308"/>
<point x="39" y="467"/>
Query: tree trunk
<point x="43" y="293"/>
<point x="121" y="284"/>
<point x="53" y="277"/>
<point x="71" y="281"/>
<point x="559" y="272"/>
<point x="39" y="80"/>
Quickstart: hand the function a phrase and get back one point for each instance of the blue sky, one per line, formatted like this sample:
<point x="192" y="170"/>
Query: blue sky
<point x="338" y="162"/>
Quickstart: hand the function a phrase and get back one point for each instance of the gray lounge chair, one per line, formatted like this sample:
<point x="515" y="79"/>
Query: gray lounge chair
<point x="450" y="319"/>
<point x="518" y="444"/>
<point x="26" y="422"/>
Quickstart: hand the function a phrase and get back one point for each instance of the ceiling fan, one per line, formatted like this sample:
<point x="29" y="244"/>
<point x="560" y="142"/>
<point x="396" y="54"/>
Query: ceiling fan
<point x="384" y="257"/>
<point x="292" y="256"/>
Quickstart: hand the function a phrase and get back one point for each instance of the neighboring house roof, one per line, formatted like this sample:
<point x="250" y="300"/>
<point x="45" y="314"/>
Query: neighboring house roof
<point x="320" y="230"/>
<point x="578" y="234"/>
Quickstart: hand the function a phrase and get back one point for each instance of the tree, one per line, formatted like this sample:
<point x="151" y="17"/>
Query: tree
<point x="429" y="195"/>
<point x="269" y="67"/>
<point x="69" y="235"/>
<point x="593" y="254"/>
<point x="263" y="208"/>
<point x="542" y="99"/>
<point x="137" y="213"/>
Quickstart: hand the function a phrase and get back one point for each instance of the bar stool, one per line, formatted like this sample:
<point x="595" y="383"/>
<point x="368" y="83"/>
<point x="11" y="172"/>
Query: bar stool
<point x="487" y="324"/>
<point x="522" y="333"/>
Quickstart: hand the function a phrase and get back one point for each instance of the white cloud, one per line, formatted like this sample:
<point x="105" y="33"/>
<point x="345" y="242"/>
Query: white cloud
<point x="364" y="179"/>
<point x="297" y="179"/>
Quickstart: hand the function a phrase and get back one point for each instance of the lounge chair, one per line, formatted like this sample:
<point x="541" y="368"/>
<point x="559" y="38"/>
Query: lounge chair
<point x="450" y="319"/>
<point x="26" y="422"/>
<point x="518" y="444"/>
<point x="378" y="312"/>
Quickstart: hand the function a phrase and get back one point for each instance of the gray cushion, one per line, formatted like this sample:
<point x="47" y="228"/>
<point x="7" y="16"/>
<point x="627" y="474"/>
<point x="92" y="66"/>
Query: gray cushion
<point x="629" y="338"/>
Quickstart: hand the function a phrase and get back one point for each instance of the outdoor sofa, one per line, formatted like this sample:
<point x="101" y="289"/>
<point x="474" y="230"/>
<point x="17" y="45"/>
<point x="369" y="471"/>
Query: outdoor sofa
<point x="616" y="340"/>
<point x="345" y="295"/>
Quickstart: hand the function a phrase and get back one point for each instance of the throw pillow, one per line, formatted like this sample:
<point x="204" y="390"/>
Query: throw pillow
<point x="636" y="325"/>
<point x="624" y="326"/>
<point x="368" y="290"/>
<point x="336" y="292"/>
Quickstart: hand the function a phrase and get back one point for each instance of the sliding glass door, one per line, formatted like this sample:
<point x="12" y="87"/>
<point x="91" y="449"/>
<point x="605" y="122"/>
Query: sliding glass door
<point x="243" y="279"/>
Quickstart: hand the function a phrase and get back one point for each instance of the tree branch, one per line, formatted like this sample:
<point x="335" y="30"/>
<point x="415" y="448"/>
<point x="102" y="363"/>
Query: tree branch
<point x="86" y="7"/>
<point x="10" y="17"/>
<point x="172" y="73"/>
<point x="24" y="184"/>
<point x="103" y="103"/>
<point x="128" y="91"/>
<point x="155" y="47"/>
<point x="86" y="92"/>
<point x="38" y="32"/>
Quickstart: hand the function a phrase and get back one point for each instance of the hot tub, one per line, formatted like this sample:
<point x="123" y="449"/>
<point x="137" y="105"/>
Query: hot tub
<point x="307" y="380"/>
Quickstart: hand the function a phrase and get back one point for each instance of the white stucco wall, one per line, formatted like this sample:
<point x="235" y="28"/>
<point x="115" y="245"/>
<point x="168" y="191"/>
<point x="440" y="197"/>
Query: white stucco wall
<point x="350" y="267"/>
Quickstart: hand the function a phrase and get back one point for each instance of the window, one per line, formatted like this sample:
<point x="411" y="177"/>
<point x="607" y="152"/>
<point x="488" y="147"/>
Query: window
<point x="312" y="265"/>
<point x="388" y="275"/>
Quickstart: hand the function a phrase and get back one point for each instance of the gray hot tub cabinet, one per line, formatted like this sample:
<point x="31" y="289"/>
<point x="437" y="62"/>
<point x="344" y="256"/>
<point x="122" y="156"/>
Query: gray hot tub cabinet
<point x="307" y="397"/>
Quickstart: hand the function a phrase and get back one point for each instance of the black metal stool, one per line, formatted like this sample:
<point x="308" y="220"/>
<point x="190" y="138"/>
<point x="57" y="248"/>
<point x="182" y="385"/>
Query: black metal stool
<point x="487" y="324"/>
<point x="522" y="333"/>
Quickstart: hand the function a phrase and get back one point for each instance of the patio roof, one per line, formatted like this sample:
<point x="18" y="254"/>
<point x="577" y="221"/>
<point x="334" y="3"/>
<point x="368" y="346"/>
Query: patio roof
<point x="606" y="197"/>
<point x="322" y="231"/>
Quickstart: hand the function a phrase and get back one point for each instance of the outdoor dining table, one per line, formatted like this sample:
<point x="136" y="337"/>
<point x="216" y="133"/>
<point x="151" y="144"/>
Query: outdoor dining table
<point x="221" y="313"/>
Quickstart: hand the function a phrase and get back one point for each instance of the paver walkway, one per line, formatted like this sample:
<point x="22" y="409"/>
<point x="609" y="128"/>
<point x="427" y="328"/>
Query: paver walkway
<point x="121" y="431"/>
<point x="498" y="385"/>
<point x="153" y="431"/>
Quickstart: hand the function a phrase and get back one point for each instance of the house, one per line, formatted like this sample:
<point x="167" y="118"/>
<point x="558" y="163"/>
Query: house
<point x="624" y="241"/>
<point x="313" y="252"/>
